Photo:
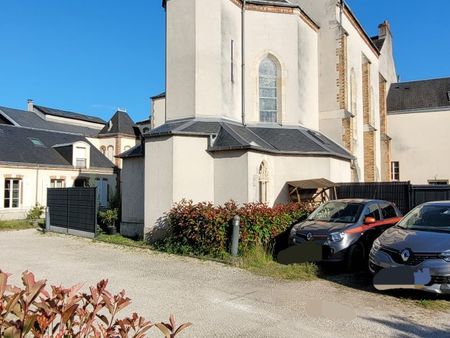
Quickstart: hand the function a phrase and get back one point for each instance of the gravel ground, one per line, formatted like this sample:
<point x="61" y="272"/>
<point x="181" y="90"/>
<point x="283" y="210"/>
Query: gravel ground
<point x="219" y="300"/>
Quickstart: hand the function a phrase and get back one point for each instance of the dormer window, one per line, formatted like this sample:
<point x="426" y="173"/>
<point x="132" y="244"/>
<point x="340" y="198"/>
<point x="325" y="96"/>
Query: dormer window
<point x="80" y="157"/>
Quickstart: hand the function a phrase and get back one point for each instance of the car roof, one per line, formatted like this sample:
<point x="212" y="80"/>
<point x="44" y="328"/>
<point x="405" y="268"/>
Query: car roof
<point x="443" y="203"/>
<point x="361" y="200"/>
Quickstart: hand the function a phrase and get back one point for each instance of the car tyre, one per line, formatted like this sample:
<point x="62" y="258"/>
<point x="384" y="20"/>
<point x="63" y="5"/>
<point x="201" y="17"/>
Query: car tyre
<point x="356" y="257"/>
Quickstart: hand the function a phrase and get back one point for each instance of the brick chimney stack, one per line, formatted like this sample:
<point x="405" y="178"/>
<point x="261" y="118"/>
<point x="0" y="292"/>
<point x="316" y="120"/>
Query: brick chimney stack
<point x="384" y="29"/>
<point x="30" y="105"/>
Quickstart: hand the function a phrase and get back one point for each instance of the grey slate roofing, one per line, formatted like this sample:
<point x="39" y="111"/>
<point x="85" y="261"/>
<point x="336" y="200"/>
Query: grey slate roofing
<point x="13" y="138"/>
<point x="423" y="95"/>
<point x="379" y="43"/>
<point x="136" y="151"/>
<point x="29" y="119"/>
<point x="269" y="138"/>
<point x="68" y="114"/>
<point x="120" y="123"/>
<point x="159" y="96"/>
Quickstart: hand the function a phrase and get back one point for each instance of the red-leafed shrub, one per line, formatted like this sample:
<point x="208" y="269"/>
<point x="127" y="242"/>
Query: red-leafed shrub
<point x="35" y="311"/>
<point x="203" y="228"/>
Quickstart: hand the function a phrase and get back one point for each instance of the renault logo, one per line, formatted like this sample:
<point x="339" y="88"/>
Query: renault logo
<point x="406" y="254"/>
<point x="309" y="236"/>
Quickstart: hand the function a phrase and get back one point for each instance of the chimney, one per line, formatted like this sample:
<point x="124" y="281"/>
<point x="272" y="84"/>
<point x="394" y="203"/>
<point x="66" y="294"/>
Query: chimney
<point x="384" y="29"/>
<point x="30" y="105"/>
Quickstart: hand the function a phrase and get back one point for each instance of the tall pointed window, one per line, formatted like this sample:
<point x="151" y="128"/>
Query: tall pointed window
<point x="263" y="182"/>
<point x="268" y="91"/>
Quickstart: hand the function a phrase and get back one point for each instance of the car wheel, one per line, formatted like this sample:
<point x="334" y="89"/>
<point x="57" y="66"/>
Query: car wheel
<point x="356" y="257"/>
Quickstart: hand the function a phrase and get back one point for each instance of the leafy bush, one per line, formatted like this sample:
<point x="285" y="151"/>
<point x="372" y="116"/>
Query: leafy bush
<point x="205" y="229"/>
<point x="66" y="312"/>
<point x="109" y="217"/>
<point x="35" y="213"/>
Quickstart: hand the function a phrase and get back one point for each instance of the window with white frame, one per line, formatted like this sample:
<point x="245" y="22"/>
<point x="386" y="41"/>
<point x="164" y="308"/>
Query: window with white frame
<point x="395" y="171"/>
<point x="110" y="153"/>
<point x="81" y="157"/>
<point x="263" y="182"/>
<point x="268" y="91"/>
<point x="57" y="183"/>
<point x="12" y="193"/>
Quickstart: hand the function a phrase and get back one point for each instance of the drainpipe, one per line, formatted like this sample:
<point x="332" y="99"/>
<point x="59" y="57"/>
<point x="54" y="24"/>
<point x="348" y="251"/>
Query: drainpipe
<point x="37" y="184"/>
<point x="244" y="3"/>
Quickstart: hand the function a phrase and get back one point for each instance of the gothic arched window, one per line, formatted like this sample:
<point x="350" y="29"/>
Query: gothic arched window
<point x="268" y="90"/>
<point x="263" y="182"/>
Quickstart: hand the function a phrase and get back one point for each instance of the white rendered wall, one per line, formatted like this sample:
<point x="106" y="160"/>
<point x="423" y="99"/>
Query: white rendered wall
<point x="419" y="144"/>
<point x="36" y="181"/>
<point x="283" y="169"/>
<point x="158" y="112"/>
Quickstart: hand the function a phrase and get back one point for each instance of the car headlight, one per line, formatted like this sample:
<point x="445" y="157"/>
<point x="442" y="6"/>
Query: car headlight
<point x="376" y="245"/>
<point x="293" y="231"/>
<point x="336" y="236"/>
<point x="445" y="256"/>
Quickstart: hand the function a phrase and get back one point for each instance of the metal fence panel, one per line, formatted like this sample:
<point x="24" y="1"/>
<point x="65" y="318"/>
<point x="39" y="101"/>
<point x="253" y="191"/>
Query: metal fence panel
<point x="403" y="194"/>
<point x="396" y="192"/>
<point x="73" y="209"/>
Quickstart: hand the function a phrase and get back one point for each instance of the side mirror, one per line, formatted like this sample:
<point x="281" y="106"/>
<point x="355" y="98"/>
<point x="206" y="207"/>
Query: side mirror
<point x="369" y="220"/>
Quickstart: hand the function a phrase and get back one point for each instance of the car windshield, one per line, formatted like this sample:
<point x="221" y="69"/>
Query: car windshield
<point x="336" y="211"/>
<point x="428" y="218"/>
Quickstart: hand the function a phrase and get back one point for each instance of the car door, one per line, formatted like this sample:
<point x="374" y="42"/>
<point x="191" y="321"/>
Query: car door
<point x="390" y="214"/>
<point x="373" y="230"/>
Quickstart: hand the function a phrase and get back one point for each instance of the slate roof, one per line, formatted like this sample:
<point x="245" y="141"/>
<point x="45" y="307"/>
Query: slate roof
<point x="29" y="119"/>
<point x="13" y="138"/>
<point x="136" y="151"/>
<point x="159" y="96"/>
<point x="68" y="114"/>
<point x="423" y="95"/>
<point x="269" y="138"/>
<point x="120" y="123"/>
<point x="378" y="42"/>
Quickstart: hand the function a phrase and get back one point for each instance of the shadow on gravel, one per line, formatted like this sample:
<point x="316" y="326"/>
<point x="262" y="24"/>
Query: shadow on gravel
<point x="362" y="280"/>
<point x="408" y="328"/>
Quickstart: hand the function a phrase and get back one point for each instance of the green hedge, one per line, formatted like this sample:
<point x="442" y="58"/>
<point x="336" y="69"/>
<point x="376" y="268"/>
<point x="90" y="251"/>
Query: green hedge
<point x="205" y="229"/>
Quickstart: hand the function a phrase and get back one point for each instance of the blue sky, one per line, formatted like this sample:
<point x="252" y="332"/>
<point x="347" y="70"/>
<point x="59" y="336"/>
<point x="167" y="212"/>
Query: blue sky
<point x="93" y="56"/>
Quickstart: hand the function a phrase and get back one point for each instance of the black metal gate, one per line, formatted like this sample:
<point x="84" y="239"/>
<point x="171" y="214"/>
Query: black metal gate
<point x="72" y="210"/>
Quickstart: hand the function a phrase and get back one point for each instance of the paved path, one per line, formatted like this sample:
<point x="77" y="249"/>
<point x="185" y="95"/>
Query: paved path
<point x="221" y="301"/>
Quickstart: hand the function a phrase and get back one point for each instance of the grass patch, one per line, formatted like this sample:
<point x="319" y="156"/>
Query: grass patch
<point x="15" y="225"/>
<point x="259" y="262"/>
<point x="434" y="304"/>
<point x="120" y="240"/>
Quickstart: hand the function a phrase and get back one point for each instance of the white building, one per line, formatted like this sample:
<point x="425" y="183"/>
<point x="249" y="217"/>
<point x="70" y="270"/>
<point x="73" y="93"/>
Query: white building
<point x="419" y="123"/>
<point x="255" y="98"/>
<point x="44" y="147"/>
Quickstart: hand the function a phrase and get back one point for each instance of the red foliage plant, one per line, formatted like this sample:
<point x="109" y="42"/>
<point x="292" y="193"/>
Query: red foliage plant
<point x="204" y="228"/>
<point x="68" y="313"/>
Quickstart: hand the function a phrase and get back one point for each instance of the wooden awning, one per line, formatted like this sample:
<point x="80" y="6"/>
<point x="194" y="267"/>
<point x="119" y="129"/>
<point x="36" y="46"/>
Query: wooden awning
<point x="312" y="184"/>
<point x="313" y="189"/>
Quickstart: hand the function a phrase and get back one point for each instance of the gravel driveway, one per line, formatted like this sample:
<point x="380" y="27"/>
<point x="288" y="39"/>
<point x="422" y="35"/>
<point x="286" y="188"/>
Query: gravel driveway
<point x="220" y="301"/>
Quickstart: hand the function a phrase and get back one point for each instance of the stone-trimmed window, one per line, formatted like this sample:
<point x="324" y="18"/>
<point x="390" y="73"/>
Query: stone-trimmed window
<point x="110" y="153"/>
<point x="103" y="150"/>
<point x="269" y="90"/>
<point x="12" y="193"/>
<point x="57" y="183"/>
<point x="263" y="182"/>
<point x="395" y="171"/>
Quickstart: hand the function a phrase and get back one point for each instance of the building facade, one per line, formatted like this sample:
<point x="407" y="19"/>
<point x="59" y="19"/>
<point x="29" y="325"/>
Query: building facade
<point x="419" y="122"/>
<point x="259" y="96"/>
